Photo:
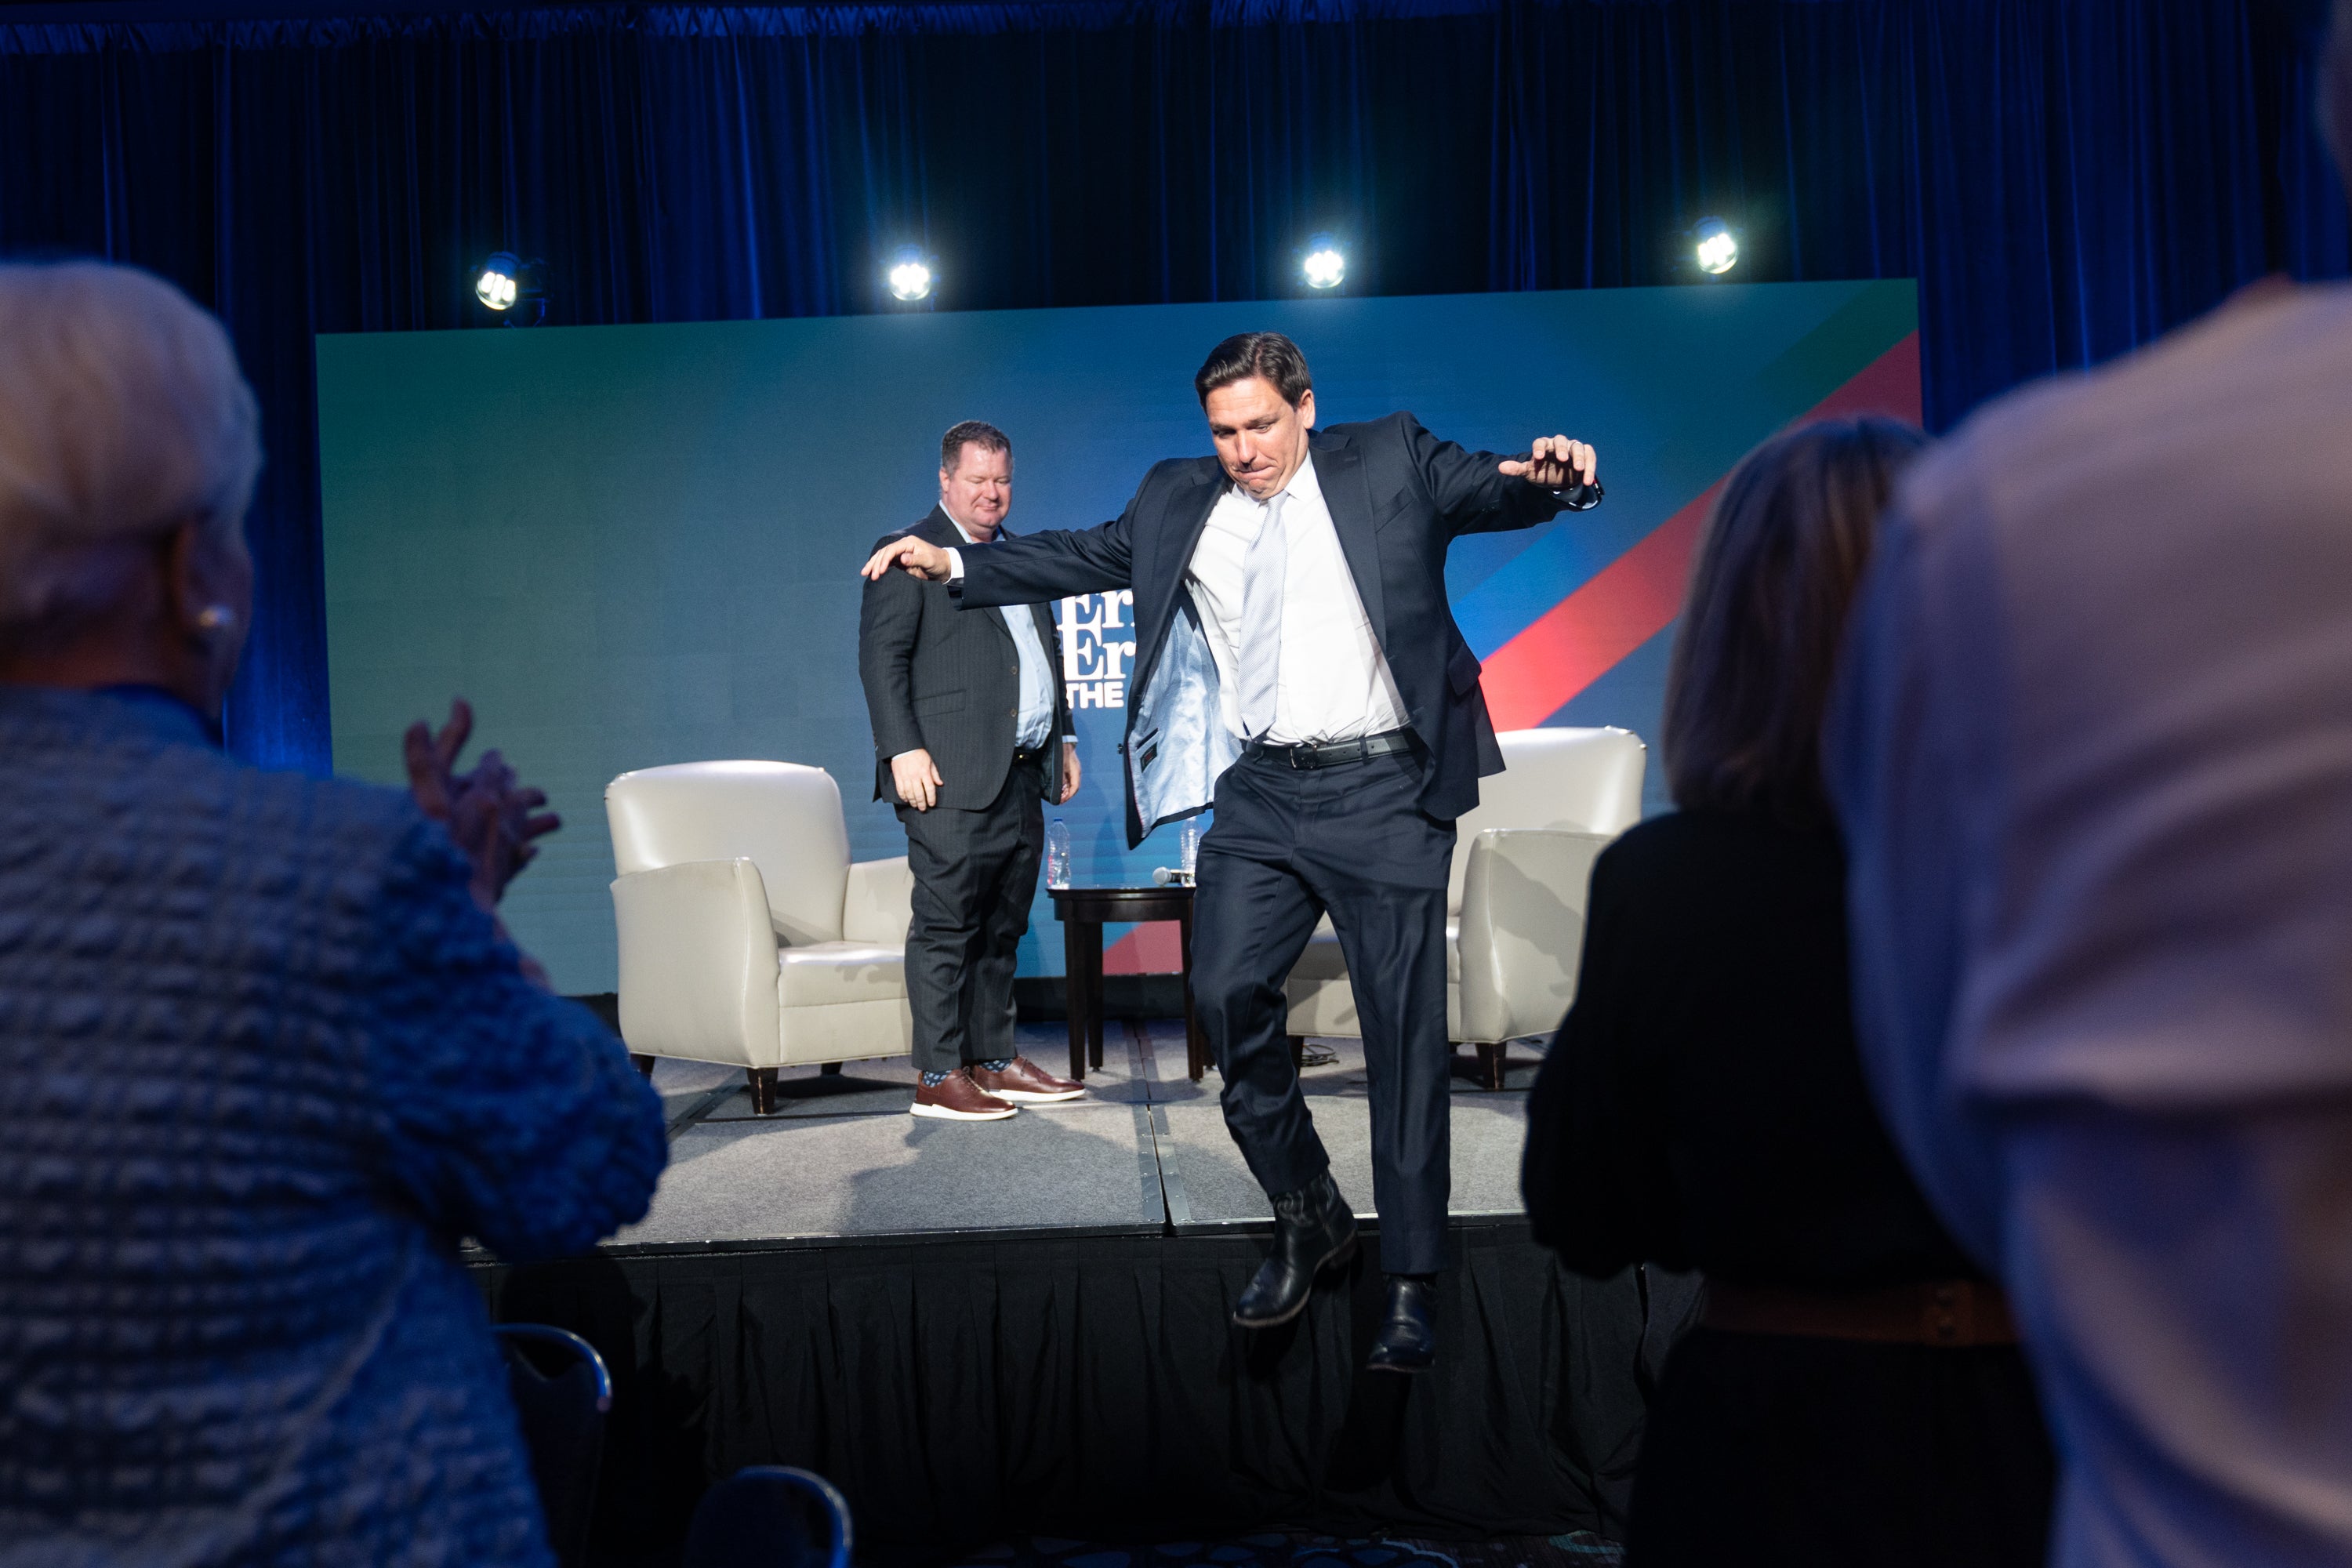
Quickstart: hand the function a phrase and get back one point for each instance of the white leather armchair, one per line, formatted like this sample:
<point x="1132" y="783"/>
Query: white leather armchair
<point x="1516" y="899"/>
<point x="747" y="934"/>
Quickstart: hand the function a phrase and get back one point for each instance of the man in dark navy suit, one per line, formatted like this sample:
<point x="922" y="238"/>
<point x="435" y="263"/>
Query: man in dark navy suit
<point x="1301" y="672"/>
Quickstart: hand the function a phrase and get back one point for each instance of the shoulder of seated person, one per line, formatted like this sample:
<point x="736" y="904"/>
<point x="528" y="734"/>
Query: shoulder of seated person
<point x="336" y="836"/>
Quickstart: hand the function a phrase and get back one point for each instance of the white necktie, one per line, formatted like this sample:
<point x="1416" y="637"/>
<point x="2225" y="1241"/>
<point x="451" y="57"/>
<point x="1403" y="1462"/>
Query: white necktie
<point x="1261" y="650"/>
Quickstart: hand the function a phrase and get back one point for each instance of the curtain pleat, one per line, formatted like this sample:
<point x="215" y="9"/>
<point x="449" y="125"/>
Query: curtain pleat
<point x="963" y="1389"/>
<point x="2066" y="181"/>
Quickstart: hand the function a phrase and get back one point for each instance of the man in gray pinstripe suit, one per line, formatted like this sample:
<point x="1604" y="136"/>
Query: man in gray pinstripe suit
<point x="972" y="733"/>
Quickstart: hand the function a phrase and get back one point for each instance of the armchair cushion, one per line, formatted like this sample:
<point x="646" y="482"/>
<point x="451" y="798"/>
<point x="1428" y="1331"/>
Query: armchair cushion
<point x="828" y="972"/>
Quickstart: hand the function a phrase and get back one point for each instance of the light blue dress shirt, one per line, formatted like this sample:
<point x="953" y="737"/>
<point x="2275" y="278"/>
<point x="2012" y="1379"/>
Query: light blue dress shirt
<point x="1036" y="722"/>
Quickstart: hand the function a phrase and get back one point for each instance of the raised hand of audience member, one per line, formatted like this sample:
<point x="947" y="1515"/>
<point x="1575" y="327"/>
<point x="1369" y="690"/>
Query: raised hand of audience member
<point x="490" y="815"/>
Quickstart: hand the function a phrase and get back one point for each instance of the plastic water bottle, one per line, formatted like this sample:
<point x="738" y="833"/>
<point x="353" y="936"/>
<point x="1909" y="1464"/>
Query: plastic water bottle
<point x="1058" y="855"/>
<point x="1187" y="851"/>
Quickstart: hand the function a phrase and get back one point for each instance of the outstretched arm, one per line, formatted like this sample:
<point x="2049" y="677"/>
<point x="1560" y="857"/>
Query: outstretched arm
<point x="1039" y="567"/>
<point x="1484" y="492"/>
<point x="1030" y="569"/>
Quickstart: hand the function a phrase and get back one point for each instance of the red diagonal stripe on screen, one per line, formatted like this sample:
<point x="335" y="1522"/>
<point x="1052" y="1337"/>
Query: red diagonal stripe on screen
<point x="1635" y="596"/>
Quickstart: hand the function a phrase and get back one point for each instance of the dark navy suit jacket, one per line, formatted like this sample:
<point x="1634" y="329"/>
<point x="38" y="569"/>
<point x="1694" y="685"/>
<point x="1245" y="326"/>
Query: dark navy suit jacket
<point x="1398" y="496"/>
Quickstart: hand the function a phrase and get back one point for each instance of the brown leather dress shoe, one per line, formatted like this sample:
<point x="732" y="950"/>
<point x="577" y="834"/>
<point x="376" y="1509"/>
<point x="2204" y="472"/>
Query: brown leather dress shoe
<point x="956" y="1098"/>
<point x="1026" y="1083"/>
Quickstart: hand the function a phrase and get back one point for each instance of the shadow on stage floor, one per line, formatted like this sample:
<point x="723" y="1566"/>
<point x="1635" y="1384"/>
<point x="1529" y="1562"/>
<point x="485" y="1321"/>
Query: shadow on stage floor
<point x="980" y="1331"/>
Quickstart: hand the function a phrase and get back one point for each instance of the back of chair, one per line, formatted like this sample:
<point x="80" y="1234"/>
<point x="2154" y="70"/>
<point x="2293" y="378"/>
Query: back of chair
<point x="561" y="1394"/>
<point x="782" y="816"/>
<point x="1586" y="779"/>
<point x="770" y="1516"/>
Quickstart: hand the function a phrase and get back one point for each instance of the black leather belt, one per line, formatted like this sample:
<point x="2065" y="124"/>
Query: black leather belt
<point x="1335" y="753"/>
<point x="1030" y="754"/>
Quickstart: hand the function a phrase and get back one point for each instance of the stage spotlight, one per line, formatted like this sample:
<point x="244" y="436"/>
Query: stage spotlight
<point x="910" y="274"/>
<point x="501" y="283"/>
<point x="1326" y="265"/>
<point x="512" y="289"/>
<point x="1717" y="248"/>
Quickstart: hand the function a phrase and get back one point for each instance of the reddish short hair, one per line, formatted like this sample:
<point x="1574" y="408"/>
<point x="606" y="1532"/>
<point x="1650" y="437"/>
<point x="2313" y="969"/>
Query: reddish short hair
<point x="970" y="433"/>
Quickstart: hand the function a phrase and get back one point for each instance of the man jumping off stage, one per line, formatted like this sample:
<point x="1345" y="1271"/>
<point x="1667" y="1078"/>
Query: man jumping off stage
<point x="1300" y="665"/>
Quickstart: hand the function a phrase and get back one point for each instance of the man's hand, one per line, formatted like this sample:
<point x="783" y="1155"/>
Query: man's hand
<point x="909" y="554"/>
<point x="1069" y="771"/>
<point x="1555" y="463"/>
<point x="917" y="778"/>
<point x="490" y="817"/>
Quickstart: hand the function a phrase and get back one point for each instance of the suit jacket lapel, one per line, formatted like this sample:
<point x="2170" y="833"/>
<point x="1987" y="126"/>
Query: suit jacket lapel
<point x="1188" y="513"/>
<point x="1348" y="497"/>
<point x="946" y="535"/>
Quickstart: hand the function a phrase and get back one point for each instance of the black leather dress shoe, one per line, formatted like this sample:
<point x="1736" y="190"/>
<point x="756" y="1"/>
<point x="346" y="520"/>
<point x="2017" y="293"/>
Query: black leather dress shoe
<point x="1312" y="1229"/>
<point x="1407" y="1343"/>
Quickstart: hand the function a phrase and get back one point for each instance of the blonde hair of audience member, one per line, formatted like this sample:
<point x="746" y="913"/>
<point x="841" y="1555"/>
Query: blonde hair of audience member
<point x="128" y="446"/>
<point x="1765" y="614"/>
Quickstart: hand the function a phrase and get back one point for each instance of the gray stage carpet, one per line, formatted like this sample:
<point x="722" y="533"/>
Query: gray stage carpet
<point x="1145" y="1150"/>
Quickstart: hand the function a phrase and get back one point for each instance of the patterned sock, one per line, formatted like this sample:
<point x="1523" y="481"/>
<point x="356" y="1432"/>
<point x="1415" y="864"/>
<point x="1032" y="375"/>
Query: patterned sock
<point x="933" y="1079"/>
<point x="997" y="1065"/>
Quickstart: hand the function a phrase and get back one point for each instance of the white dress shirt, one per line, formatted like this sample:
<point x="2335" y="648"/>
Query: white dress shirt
<point x="1035" y="724"/>
<point x="1334" y="683"/>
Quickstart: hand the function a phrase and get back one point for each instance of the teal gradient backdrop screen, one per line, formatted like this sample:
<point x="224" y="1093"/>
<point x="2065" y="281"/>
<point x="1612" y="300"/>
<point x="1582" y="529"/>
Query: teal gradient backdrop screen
<point x="636" y="545"/>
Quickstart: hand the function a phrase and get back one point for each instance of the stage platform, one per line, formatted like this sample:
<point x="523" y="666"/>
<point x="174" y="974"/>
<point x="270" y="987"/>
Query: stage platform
<point x="1146" y="1151"/>
<point x="984" y="1330"/>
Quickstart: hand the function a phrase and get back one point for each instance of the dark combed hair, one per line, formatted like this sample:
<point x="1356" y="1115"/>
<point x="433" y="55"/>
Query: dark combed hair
<point x="977" y="433"/>
<point x="1765" y="616"/>
<point x="1246" y="354"/>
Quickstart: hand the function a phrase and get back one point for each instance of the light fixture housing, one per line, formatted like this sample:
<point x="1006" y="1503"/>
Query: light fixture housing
<point x="909" y="275"/>
<point x="1715" y="246"/>
<point x="498" y="284"/>
<point x="1325" y="265"/>
<point x="512" y="289"/>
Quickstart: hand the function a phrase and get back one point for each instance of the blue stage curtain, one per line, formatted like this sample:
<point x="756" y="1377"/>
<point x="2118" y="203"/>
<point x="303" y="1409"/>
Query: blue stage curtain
<point x="2065" y="179"/>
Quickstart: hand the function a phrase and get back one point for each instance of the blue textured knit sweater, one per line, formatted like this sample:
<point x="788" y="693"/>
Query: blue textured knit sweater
<point x="262" y="1064"/>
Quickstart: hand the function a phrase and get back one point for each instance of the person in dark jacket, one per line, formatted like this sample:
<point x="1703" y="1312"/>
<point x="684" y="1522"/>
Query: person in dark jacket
<point x="266" y="1055"/>
<point x="1854" y="1394"/>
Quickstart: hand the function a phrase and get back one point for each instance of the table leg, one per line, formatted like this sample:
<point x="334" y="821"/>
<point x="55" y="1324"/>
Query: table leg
<point x="1094" y="992"/>
<point x="1196" y="1044"/>
<point x="1073" y="994"/>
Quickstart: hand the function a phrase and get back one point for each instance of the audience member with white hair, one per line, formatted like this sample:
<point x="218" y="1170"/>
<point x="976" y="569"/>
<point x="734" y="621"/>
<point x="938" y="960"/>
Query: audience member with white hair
<point x="2093" y="761"/>
<point x="264" y="1055"/>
